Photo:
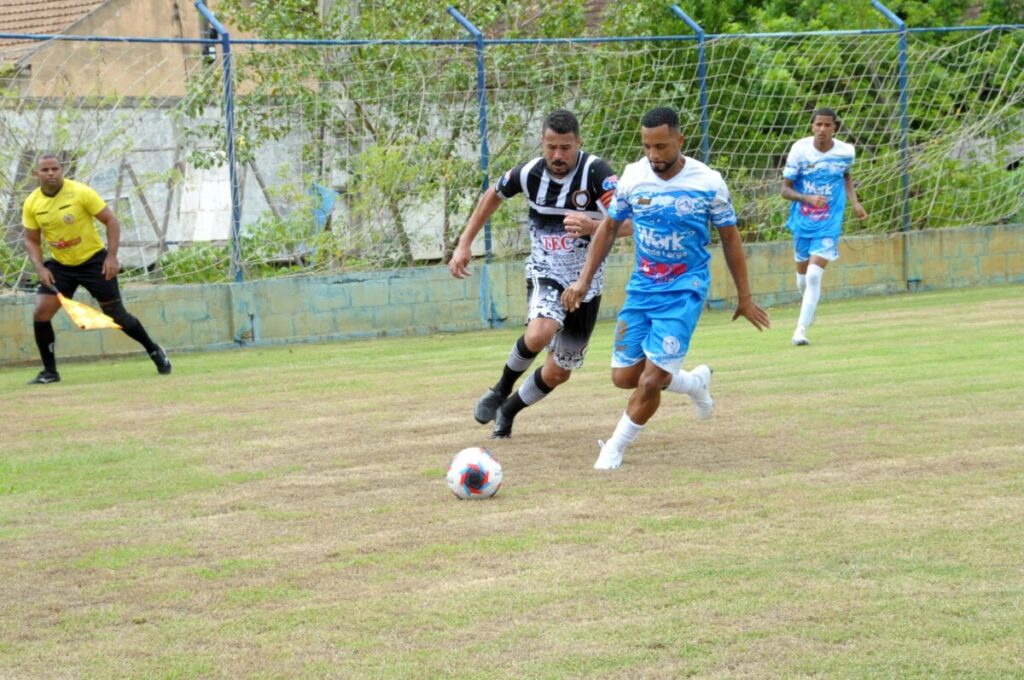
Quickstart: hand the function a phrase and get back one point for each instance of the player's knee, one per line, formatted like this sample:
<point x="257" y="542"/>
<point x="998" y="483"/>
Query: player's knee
<point x="624" y="379"/>
<point x="45" y="309"/>
<point x="556" y="376"/>
<point x="650" y="383"/>
<point x="116" y="311"/>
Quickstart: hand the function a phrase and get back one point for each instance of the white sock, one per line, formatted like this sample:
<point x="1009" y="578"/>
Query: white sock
<point x="683" y="383"/>
<point x="801" y="282"/>
<point x="811" y="296"/>
<point x="625" y="432"/>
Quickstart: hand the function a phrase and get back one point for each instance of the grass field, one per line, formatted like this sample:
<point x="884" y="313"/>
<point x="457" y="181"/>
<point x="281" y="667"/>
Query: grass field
<point x="855" y="509"/>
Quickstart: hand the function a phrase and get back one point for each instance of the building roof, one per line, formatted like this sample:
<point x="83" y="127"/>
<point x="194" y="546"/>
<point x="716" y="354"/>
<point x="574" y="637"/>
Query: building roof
<point x="46" y="17"/>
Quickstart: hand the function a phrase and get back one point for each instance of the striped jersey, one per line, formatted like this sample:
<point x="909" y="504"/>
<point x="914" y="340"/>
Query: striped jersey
<point x="554" y="254"/>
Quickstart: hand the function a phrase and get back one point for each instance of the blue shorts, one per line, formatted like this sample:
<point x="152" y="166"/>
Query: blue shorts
<point x="825" y="247"/>
<point x="658" y="328"/>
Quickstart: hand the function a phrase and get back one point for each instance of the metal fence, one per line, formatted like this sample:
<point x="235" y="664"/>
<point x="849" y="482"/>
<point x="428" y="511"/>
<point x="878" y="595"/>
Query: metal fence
<point x="240" y="158"/>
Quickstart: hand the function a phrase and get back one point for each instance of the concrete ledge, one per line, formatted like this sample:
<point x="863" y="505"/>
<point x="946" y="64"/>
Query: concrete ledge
<point x="427" y="299"/>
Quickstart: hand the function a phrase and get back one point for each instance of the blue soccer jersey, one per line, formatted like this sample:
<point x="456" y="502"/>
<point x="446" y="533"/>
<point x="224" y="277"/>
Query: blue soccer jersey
<point x="672" y="224"/>
<point x="818" y="173"/>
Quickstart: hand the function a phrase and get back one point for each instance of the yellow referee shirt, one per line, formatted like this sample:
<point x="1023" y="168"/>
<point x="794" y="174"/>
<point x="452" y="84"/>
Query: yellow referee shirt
<point x="66" y="220"/>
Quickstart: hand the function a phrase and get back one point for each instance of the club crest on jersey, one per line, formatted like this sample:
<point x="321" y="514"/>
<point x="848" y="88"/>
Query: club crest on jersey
<point x="686" y="205"/>
<point x="670" y="345"/>
<point x="580" y="199"/>
<point x="69" y="218"/>
<point x="610" y="183"/>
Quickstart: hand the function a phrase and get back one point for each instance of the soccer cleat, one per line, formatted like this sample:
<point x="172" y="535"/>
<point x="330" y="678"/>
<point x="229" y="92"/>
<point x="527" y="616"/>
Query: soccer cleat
<point x="609" y="459"/>
<point x="703" y="404"/>
<point x="502" y="426"/>
<point x="159" y="357"/>
<point x="45" y="377"/>
<point x="487" y="406"/>
<point x="800" y="337"/>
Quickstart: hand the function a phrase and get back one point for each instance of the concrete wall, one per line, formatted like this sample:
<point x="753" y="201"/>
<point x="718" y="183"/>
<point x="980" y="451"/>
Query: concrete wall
<point x="428" y="299"/>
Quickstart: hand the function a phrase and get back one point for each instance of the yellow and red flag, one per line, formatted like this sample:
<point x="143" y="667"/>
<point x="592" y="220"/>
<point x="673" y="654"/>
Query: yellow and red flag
<point x="84" y="316"/>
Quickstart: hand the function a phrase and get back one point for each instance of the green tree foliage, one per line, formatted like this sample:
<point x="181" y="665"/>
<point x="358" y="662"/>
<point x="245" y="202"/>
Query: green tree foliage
<point x="405" y="116"/>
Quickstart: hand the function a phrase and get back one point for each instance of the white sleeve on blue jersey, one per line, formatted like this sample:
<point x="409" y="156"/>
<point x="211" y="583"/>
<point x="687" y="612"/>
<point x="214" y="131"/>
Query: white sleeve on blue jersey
<point x="722" y="212"/>
<point x="792" y="169"/>
<point x="620" y="209"/>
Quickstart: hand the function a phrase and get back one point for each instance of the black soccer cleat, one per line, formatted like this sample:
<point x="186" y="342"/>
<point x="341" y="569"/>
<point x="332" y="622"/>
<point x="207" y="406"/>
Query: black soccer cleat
<point x="159" y="357"/>
<point x="487" y="406"/>
<point x="45" y="377"/>
<point x="502" y="426"/>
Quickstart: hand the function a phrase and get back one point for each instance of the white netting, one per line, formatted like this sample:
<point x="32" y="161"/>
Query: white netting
<point x="367" y="156"/>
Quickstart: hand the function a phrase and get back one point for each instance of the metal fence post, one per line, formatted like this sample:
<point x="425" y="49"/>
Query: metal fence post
<point x="229" y="115"/>
<point x="482" y="101"/>
<point x="705" y="144"/>
<point x="904" y="131"/>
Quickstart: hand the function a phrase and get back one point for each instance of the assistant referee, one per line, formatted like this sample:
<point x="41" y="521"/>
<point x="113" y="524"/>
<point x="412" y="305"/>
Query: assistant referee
<point x="61" y="212"/>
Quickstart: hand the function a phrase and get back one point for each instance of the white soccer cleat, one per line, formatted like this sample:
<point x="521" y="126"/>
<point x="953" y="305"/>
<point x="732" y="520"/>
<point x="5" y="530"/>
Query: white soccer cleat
<point x="610" y="458"/>
<point x="703" y="404"/>
<point x="800" y="337"/>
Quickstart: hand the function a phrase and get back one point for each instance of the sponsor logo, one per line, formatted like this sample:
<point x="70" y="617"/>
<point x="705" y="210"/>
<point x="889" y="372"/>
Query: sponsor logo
<point x="580" y="198"/>
<point x="661" y="272"/>
<point x="62" y="244"/>
<point x="643" y="201"/>
<point x="557" y="243"/>
<point x="673" y="241"/>
<point x="814" y="214"/>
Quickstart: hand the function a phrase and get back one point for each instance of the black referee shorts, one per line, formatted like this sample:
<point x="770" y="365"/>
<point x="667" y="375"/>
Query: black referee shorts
<point x="89" y="275"/>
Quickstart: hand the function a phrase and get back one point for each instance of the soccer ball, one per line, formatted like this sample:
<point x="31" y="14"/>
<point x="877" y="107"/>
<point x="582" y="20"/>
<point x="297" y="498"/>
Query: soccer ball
<point x="474" y="473"/>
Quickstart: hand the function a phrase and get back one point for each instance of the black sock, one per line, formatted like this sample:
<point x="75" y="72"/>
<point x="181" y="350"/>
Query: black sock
<point x="518" y="357"/>
<point x="45" y="340"/>
<point x="131" y="326"/>
<point x="515" y="403"/>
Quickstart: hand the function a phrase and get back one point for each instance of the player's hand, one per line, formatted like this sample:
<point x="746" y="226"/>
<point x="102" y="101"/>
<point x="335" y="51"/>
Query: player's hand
<point x="46" y="278"/>
<point x="861" y="213"/>
<point x="110" y="267"/>
<point x="753" y="313"/>
<point x="459" y="264"/>
<point x="817" y="201"/>
<point x="578" y="224"/>
<point x="572" y="297"/>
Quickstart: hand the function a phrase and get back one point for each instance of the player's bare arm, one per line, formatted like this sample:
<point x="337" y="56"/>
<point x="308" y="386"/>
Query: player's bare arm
<point x="732" y="248"/>
<point x="851" y="193"/>
<point x="34" y="248"/>
<point x="111" y="267"/>
<point x="791" y="194"/>
<point x="577" y="224"/>
<point x="600" y="246"/>
<point x="485" y="207"/>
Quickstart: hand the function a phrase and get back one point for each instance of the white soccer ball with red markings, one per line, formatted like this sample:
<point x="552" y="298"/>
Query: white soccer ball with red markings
<point x="474" y="473"/>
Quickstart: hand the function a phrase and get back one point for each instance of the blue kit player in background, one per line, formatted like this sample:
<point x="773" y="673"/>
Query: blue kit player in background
<point x="566" y="189"/>
<point x="817" y="179"/>
<point x="673" y="200"/>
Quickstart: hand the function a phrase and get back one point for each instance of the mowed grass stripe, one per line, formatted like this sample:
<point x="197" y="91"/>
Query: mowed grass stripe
<point x="854" y="509"/>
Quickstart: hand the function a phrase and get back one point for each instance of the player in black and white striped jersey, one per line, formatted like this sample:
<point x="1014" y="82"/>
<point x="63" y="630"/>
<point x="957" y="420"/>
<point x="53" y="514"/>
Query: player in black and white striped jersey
<point x="567" y="190"/>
